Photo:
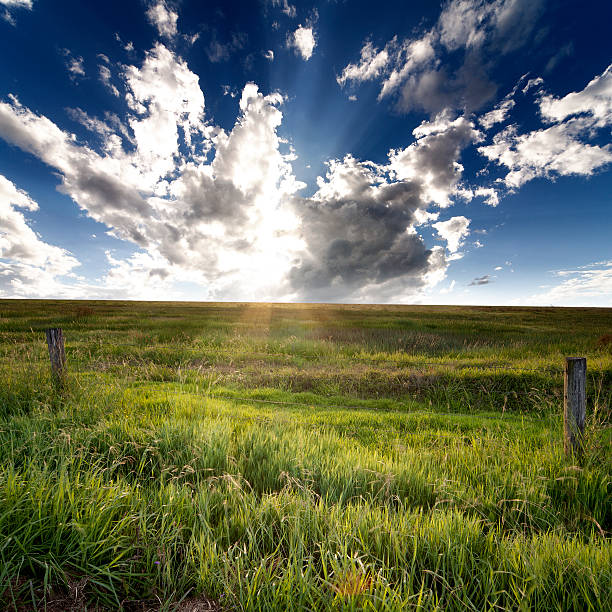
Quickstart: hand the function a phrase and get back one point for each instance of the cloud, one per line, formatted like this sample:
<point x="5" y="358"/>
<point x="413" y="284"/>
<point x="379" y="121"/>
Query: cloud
<point x="220" y="208"/>
<point x="269" y="55"/>
<point x="26" y="4"/>
<point x="221" y="52"/>
<point x="359" y="228"/>
<point x="504" y="24"/>
<point x="547" y="153"/>
<point x="358" y="234"/>
<point x="11" y="5"/>
<point x="303" y="41"/>
<point x="417" y="70"/>
<point x="433" y="156"/>
<point x="562" y="149"/>
<point x="371" y="65"/>
<point x="163" y="18"/>
<point x="453" y="231"/>
<point x="105" y="76"/>
<point x="498" y="114"/>
<point x="75" y="65"/>
<point x="593" y="103"/>
<point x="585" y="284"/>
<point x="481" y="280"/>
<point x="211" y="222"/>
<point x="288" y="9"/>
<point x="28" y="265"/>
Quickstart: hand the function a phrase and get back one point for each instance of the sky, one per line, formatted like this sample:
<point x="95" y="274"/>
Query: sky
<point x="419" y="152"/>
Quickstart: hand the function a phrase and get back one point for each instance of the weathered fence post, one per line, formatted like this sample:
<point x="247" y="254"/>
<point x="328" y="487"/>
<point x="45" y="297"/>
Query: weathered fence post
<point x="574" y="404"/>
<point x="57" y="355"/>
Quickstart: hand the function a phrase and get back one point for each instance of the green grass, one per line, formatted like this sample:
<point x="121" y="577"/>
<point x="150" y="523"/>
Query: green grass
<point x="279" y="457"/>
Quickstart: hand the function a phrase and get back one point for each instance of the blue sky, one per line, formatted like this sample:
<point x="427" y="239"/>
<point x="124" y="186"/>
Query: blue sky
<point x="347" y="151"/>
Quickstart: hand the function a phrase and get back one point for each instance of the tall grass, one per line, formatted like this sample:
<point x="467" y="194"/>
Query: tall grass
<point x="154" y="477"/>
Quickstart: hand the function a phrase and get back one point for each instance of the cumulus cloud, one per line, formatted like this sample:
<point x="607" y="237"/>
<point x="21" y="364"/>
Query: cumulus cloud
<point x="359" y="228"/>
<point x="562" y="148"/>
<point x="433" y="157"/>
<point x="28" y="265"/>
<point x="302" y="41"/>
<point x="209" y="221"/>
<point x="550" y="152"/>
<point x="221" y="208"/>
<point x="594" y="102"/>
<point x="358" y="231"/>
<point x="416" y="70"/>
<point x="453" y="231"/>
<point x="26" y="4"/>
<point x="163" y="18"/>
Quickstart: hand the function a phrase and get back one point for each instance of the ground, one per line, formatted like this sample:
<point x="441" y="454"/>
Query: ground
<point x="274" y="457"/>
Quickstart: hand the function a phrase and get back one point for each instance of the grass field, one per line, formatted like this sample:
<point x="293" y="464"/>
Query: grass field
<point x="302" y="457"/>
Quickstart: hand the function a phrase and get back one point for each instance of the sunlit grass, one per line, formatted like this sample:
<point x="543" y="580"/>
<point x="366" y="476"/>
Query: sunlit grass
<point x="302" y="457"/>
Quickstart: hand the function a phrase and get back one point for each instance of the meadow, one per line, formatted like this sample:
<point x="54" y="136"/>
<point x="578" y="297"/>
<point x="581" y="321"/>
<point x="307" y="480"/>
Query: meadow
<point x="302" y="457"/>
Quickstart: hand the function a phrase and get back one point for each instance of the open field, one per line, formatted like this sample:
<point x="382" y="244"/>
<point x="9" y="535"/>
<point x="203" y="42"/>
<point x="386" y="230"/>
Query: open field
<point x="289" y="457"/>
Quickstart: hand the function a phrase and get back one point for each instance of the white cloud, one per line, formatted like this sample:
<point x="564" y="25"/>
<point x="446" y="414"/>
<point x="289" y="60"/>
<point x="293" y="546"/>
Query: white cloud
<point x="75" y="65"/>
<point x="303" y="41"/>
<point x="453" y="231"/>
<point x="105" y="77"/>
<point x="490" y="195"/>
<point x="562" y="149"/>
<point x="220" y="208"/>
<point x="11" y="5"/>
<point x="580" y="286"/>
<point x="550" y="152"/>
<point x="371" y="64"/>
<point x="163" y="18"/>
<point x="269" y="55"/>
<point x="26" y="4"/>
<point x="595" y="101"/>
<point x="212" y="223"/>
<point x="462" y="22"/>
<point x="497" y="115"/>
<point x="433" y="157"/>
<point x="28" y="265"/>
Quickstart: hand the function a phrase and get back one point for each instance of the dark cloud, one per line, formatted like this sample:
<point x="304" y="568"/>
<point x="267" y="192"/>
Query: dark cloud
<point x="359" y="240"/>
<point x="438" y="89"/>
<point x="221" y="52"/>
<point x="449" y="66"/>
<point x="481" y="280"/>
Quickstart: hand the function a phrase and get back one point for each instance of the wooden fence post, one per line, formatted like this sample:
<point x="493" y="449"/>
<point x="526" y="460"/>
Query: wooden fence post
<point x="57" y="355"/>
<point x="574" y="404"/>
